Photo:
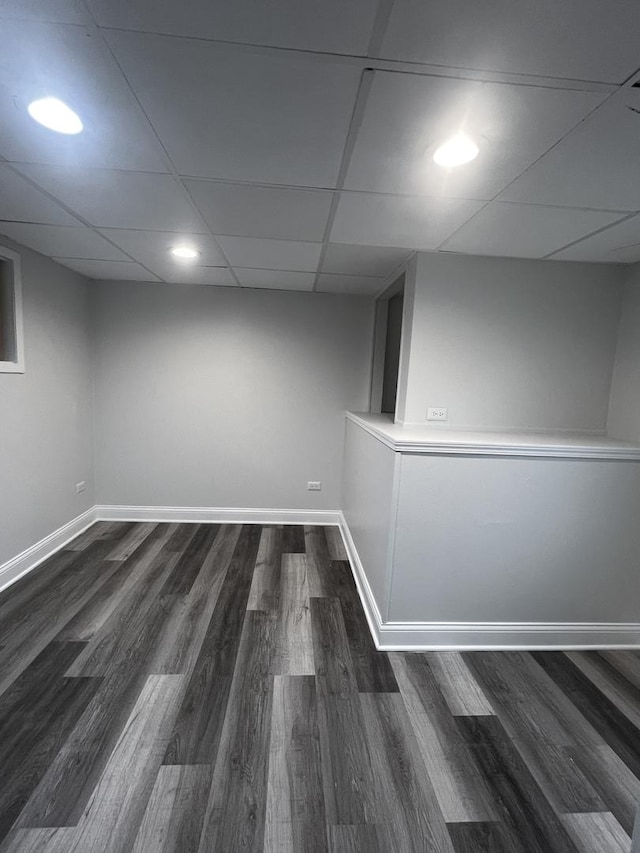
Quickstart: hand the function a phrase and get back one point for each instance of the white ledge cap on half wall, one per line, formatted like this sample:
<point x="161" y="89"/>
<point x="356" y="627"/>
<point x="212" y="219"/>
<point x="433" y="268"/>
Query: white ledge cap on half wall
<point x="418" y="438"/>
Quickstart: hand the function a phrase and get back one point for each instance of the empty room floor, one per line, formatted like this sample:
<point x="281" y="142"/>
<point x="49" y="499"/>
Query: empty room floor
<point x="202" y="687"/>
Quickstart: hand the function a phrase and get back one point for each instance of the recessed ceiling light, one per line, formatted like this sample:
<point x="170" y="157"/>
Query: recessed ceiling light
<point x="55" y="115"/>
<point x="185" y="253"/>
<point x="456" y="151"/>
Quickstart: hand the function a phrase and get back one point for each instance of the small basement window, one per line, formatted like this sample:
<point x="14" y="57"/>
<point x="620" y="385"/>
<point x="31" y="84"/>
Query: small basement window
<point x="11" y="338"/>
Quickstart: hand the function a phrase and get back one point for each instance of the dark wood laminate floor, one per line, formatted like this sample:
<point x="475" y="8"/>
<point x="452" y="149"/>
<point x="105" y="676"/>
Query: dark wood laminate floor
<point x="193" y="687"/>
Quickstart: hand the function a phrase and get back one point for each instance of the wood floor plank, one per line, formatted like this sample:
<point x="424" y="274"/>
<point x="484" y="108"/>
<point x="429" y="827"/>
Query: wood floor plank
<point x="181" y="637"/>
<point x="172" y="822"/>
<point x="318" y="561"/>
<point x="612" y="779"/>
<point x="111" y="531"/>
<point x="295" y="817"/>
<point x="65" y="788"/>
<point x="117" y="590"/>
<point x="138" y="614"/>
<point x="599" y="832"/>
<point x="42" y="624"/>
<point x="293" y="539"/>
<point x="346" y="762"/>
<point x="373" y="670"/>
<point x="337" y="551"/>
<point x="601" y="713"/>
<point x="198" y="728"/>
<point x="610" y="682"/>
<point x="520" y="694"/>
<point x="133" y="539"/>
<point x="182" y="537"/>
<point x="187" y="567"/>
<point x="113" y="815"/>
<point x="461" y="691"/>
<point x="460" y="788"/>
<point x="524" y="810"/>
<point x="235" y="818"/>
<point x="404" y="798"/>
<point x="41" y="611"/>
<point x="265" y="585"/>
<point x="626" y="662"/>
<point x="360" y="838"/>
<point x="295" y="637"/>
<point x="483" y="838"/>
<point x="37" y="714"/>
<point x="150" y="703"/>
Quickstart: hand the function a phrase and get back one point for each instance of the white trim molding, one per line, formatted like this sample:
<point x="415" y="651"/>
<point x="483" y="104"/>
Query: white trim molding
<point x="25" y="562"/>
<point x="431" y="439"/>
<point x="16" y="365"/>
<point x="223" y="515"/>
<point x="498" y="636"/>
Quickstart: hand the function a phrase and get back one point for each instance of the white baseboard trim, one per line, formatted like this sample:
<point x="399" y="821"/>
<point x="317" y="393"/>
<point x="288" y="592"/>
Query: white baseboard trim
<point x="224" y="515"/>
<point x="25" y="562"/>
<point x="470" y="636"/>
<point x="365" y="592"/>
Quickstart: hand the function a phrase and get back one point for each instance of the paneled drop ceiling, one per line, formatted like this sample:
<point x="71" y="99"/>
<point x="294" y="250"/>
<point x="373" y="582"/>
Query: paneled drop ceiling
<point x="291" y="141"/>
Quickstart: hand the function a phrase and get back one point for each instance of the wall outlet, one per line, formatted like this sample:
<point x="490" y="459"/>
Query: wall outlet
<point x="314" y="486"/>
<point x="436" y="413"/>
<point x="80" y="487"/>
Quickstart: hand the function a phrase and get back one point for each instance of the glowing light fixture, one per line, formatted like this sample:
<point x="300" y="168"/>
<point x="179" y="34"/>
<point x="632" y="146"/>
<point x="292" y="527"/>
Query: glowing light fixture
<point x="55" y="115"/>
<point x="185" y="253"/>
<point x="456" y="151"/>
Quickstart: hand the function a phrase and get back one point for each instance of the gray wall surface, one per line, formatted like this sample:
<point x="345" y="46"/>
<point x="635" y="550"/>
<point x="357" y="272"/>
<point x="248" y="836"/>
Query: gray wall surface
<point x="225" y="397"/>
<point x="624" y="405"/>
<point x="482" y="539"/>
<point x="46" y="427"/>
<point x="506" y="343"/>
<point x="368" y="503"/>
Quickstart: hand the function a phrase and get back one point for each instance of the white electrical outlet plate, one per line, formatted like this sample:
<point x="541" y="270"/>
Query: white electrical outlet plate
<point x="436" y="413"/>
<point x="80" y="487"/>
<point x="314" y="485"/>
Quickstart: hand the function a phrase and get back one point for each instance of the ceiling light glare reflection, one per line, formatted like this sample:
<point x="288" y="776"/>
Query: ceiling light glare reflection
<point x="55" y="115"/>
<point x="456" y="151"/>
<point x="185" y="253"/>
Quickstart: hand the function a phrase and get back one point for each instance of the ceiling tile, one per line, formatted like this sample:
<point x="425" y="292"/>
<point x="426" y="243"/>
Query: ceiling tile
<point x="20" y="202"/>
<point x="619" y="244"/>
<point x="597" y="165"/>
<point x="240" y="114"/>
<point x="271" y="254"/>
<point x="580" y="39"/>
<point x="119" y="199"/>
<point x="357" y="285"/>
<point x="60" y="11"/>
<point x="151" y="248"/>
<point x="219" y="276"/>
<point x="407" y="116"/>
<point x="332" y="26"/>
<point x="109" y="270"/>
<point x="378" y="261"/>
<point x="62" y="241"/>
<point x="275" y="279"/>
<point x="525" y="231"/>
<point x="410" y="221"/>
<point x="246" y="211"/>
<point x="74" y="64"/>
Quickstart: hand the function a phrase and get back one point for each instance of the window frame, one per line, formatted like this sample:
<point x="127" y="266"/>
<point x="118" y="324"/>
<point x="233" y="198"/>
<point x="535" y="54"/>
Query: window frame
<point x="17" y="364"/>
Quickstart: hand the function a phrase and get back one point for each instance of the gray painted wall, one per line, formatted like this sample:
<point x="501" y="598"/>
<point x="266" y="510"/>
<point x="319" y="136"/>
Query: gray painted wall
<point x="482" y="539"/>
<point x="624" y="405"/>
<point x="506" y="343"/>
<point x="225" y="397"/>
<point x="368" y="503"/>
<point x="45" y="414"/>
